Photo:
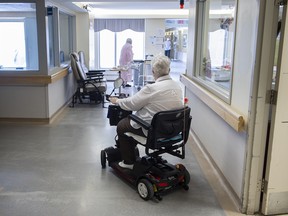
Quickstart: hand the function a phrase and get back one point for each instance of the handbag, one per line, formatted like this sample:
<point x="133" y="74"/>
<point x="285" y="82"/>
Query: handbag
<point x="115" y="114"/>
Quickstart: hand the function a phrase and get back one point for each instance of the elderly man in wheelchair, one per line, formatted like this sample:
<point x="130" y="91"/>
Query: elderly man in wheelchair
<point x="161" y="124"/>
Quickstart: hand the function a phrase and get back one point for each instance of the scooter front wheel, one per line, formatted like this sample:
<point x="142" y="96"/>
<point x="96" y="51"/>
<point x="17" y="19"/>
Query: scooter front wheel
<point x="145" y="189"/>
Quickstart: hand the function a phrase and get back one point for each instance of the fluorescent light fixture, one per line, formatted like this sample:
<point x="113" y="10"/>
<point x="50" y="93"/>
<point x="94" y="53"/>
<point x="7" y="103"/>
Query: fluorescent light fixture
<point x="109" y="10"/>
<point x="138" y="12"/>
<point x="222" y="12"/>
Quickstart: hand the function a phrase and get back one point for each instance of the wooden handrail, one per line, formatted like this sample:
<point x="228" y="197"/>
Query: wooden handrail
<point x="225" y="111"/>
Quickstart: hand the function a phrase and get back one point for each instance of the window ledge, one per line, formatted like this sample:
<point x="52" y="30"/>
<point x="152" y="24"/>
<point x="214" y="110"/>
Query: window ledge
<point x="11" y="79"/>
<point x="234" y="119"/>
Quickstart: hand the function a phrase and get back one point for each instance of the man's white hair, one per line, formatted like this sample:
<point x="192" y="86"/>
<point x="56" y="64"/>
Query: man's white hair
<point x="160" y="65"/>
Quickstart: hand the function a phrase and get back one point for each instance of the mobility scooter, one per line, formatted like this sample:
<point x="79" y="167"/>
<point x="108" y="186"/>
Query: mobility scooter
<point x="151" y="174"/>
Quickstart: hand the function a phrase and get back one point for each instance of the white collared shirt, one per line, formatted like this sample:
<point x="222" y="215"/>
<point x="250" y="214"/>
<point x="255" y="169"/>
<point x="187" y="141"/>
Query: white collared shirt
<point x="164" y="94"/>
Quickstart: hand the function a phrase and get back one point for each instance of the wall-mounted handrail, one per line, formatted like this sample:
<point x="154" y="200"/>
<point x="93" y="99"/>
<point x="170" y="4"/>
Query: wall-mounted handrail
<point x="225" y="111"/>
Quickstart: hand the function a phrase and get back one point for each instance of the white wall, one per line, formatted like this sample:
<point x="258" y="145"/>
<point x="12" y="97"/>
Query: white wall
<point x="36" y="101"/>
<point x="153" y="27"/>
<point x="226" y="146"/>
<point x="60" y="92"/>
<point x="82" y="34"/>
<point x="23" y="102"/>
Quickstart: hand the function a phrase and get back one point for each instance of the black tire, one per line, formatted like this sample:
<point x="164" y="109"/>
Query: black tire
<point x="186" y="177"/>
<point x="103" y="159"/>
<point x="182" y="168"/>
<point x="145" y="189"/>
<point x="186" y="180"/>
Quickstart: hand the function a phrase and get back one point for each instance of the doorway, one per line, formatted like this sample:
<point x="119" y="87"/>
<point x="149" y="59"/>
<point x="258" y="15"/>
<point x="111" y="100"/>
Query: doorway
<point x="176" y="31"/>
<point x="275" y="188"/>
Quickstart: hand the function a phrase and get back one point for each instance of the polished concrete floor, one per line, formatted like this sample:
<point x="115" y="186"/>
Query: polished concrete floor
<point x="55" y="170"/>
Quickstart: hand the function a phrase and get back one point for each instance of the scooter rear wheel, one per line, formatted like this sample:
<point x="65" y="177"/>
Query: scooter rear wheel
<point x="182" y="168"/>
<point x="103" y="159"/>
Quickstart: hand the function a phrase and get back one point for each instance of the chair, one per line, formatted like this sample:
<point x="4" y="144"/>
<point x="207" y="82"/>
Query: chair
<point x="167" y="133"/>
<point x="82" y="61"/>
<point x="86" y="70"/>
<point x="91" y="86"/>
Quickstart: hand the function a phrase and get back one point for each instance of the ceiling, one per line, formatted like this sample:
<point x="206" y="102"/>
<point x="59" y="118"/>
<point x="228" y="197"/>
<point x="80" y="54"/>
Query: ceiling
<point x="125" y="7"/>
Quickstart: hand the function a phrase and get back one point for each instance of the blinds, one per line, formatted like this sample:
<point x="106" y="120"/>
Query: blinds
<point x="117" y="25"/>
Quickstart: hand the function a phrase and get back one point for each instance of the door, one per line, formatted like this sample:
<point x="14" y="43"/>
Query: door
<point x="275" y="196"/>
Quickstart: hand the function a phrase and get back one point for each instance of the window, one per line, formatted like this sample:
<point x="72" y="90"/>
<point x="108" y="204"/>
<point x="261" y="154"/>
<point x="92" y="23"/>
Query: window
<point x="107" y="51"/>
<point x="66" y="36"/>
<point x="18" y="37"/>
<point x="215" y="45"/>
<point x="60" y="36"/>
<point x="111" y="44"/>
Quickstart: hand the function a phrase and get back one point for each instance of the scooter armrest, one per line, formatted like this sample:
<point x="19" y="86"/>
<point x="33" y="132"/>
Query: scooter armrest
<point x="139" y="121"/>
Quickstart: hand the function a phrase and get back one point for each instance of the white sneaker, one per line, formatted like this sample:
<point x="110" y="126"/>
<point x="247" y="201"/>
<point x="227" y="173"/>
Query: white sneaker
<point x="127" y="166"/>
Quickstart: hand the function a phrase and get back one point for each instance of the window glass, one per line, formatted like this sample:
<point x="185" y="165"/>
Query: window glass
<point x="111" y="43"/>
<point x="12" y="54"/>
<point x="66" y="36"/>
<point x="107" y="49"/>
<point x="18" y="36"/>
<point x="215" y="45"/>
<point x="60" y="36"/>
<point x="137" y="43"/>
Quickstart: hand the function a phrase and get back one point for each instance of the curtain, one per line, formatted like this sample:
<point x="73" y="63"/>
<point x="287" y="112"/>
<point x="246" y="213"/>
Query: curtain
<point x="117" y="25"/>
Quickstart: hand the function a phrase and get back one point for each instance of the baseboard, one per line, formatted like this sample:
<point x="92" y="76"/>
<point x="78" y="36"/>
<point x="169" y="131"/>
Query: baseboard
<point x="39" y="121"/>
<point x="25" y="120"/>
<point x="56" y="116"/>
<point x="227" y="198"/>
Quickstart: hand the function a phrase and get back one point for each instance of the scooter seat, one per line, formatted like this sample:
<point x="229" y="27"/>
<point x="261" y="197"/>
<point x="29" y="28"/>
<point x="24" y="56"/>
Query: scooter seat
<point x="142" y="140"/>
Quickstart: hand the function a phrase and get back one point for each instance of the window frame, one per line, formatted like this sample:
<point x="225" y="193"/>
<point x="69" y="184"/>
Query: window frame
<point x="53" y="28"/>
<point x="217" y="90"/>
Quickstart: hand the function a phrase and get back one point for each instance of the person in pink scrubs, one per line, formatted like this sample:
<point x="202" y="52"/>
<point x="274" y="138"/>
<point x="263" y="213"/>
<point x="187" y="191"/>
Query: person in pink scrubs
<point x="126" y="58"/>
